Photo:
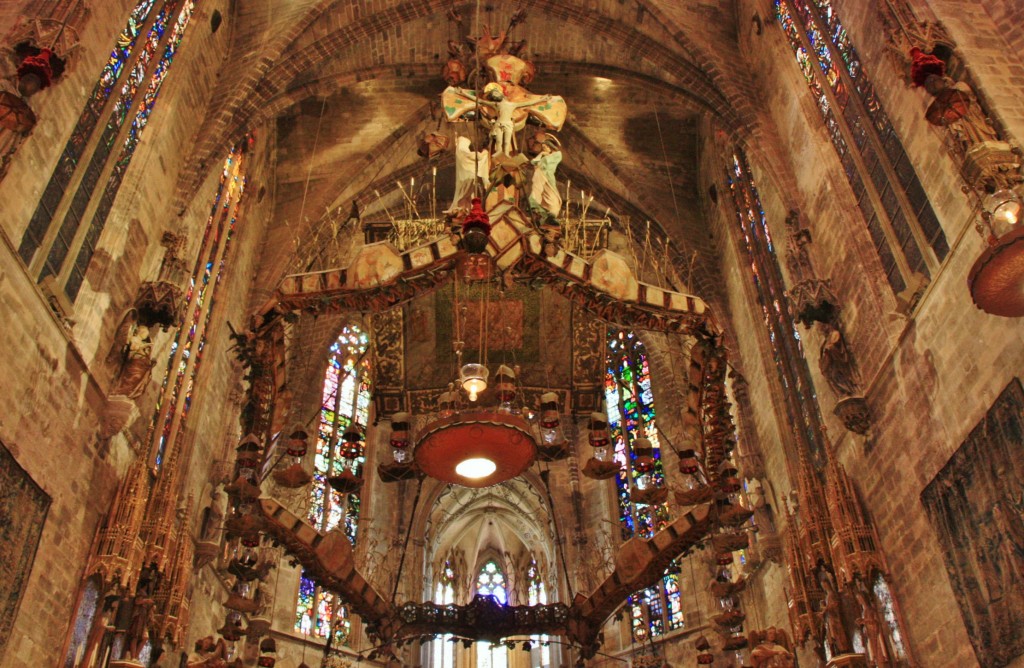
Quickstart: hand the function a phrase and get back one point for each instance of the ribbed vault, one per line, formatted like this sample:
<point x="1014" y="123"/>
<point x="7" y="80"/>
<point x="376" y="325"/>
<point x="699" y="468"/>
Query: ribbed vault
<point x="349" y="91"/>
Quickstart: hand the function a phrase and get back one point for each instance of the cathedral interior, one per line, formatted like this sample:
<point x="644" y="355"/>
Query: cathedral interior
<point x="512" y="333"/>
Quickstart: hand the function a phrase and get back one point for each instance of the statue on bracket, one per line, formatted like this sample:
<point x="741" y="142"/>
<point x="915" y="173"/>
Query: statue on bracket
<point x="131" y="354"/>
<point x="836" y="361"/>
<point x="813" y="301"/>
<point x="136" y="363"/>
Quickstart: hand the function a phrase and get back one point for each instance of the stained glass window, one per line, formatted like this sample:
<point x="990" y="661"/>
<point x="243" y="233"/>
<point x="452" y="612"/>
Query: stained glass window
<point x="892" y="625"/>
<point x="186" y="350"/>
<point x="158" y="47"/>
<point x="784" y="339"/>
<point x="443" y="651"/>
<point x="131" y="142"/>
<point x="630" y="403"/>
<point x="345" y="400"/>
<point x="629" y="399"/>
<point x="901" y="222"/>
<point x="538" y="596"/>
<point x="491" y="582"/>
<point x="69" y="158"/>
<point x="318" y="612"/>
<point x="657" y="610"/>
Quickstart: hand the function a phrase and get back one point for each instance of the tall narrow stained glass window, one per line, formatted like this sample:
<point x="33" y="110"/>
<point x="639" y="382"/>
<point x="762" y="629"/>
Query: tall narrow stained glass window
<point x="538" y="595"/>
<point x="901" y="222"/>
<point x="187" y="348"/>
<point x="345" y="402"/>
<point x="629" y="399"/>
<point x="630" y="404"/>
<point x="443" y="649"/>
<point x="784" y="339"/>
<point x="491" y="582"/>
<point x="70" y="198"/>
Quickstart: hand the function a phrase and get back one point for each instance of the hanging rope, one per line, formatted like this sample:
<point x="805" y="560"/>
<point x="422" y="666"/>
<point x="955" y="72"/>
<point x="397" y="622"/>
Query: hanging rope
<point x="312" y="160"/>
<point x="544" y="476"/>
<point x="668" y="171"/>
<point x="405" y="545"/>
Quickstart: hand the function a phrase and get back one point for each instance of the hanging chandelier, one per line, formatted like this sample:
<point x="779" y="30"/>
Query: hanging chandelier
<point x="476" y="448"/>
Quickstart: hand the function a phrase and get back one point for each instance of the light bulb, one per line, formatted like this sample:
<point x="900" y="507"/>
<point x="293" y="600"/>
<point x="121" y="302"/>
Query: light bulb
<point x="475" y="467"/>
<point x="1004" y="208"/>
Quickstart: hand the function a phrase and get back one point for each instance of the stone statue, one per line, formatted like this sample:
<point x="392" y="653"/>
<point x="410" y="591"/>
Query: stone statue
<point x="138" y="628"/>
<point x="871" y="627"/>
<point x="836" y="361"/>
<point x="544" y="196"/>
<point x="470" y="165"/>
<point x="503" y="131"/>
<point x="215" y="517"/>
<point x="836" y="639"/>
<point x="137" y="364"/>
<point x="974" y="127"/>
<point x="771" y="650"/>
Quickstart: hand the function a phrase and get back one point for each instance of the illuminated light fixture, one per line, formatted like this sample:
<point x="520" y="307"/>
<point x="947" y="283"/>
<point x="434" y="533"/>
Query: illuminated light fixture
<point x="1004" y="209"/>
<point x="476" y="229"/>
<point x="475" y="468"/>
<point x="996" y="280"/>
<point x="473" y="378"/>
<point x="456" y="448"/>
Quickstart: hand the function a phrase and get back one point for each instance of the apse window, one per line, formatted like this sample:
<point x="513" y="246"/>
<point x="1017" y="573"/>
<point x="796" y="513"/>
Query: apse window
<point x="345" y="404"/>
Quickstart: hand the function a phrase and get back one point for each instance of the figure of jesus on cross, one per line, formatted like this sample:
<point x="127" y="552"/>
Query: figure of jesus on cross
<point x="503" y="131"/>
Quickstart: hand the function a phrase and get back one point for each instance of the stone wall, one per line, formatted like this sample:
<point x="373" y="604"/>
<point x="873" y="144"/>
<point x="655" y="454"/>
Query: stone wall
<point x="930" y="375"/>
<point x="54" y="416"/>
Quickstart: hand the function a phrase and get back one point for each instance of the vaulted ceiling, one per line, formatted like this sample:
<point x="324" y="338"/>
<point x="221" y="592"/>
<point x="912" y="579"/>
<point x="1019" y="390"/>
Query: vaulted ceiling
<point x="351" y="87"/>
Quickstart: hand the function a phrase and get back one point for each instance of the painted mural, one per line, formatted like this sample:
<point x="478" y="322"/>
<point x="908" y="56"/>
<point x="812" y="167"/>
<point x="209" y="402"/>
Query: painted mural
<point x="976" y="506"/>
<point x="23" y="506"/>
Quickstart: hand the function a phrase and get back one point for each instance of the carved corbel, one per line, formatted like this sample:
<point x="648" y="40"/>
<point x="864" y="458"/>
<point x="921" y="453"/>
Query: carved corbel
<point x="813" y="302"/>
<point x="160" y="302"/>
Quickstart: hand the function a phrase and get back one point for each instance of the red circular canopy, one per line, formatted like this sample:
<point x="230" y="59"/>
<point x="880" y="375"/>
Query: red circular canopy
<point x="997" y="278"/>
<point x="503" y="439"/>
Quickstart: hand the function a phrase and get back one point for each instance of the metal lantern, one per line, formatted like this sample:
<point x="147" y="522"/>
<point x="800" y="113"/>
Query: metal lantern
<point x="268" y="653"/>
<point x="448" y="402"/>
<point x="728" y="482"/>
<point x="505" y="386"/>
<point x="550" y="421"/>
<point x="644" y="462"/>
<point x="473" y="378"/>
<point x="298" y="441"/>
<point x="248" y="453"/>
<point x="689" y="467"/>
<point x="400" y="436"/>
<point x="704" y="656"/>
<point x="1004" y="210"/>
<point x="351" y="446"/>
<point x="599" y="438"/>
<point x="476" y="229"/>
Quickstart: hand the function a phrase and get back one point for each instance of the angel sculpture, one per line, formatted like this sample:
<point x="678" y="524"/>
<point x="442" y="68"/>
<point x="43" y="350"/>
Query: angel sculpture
<point x="470" y="165"/>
